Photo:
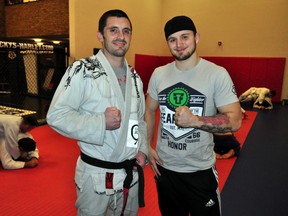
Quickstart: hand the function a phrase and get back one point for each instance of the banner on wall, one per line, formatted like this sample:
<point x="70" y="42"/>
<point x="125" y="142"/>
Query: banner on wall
<point x="27" y="48"/>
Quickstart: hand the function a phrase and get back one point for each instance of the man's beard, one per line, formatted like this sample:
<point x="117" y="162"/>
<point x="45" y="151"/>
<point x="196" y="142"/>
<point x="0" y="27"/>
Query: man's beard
<point x="186" y="56"/>
<point x="120" y="52"/>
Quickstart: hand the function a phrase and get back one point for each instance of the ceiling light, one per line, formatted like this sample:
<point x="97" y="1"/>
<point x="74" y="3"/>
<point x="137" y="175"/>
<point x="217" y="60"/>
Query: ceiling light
<point x="37" y="40"/>
<point x="56" y="42"/>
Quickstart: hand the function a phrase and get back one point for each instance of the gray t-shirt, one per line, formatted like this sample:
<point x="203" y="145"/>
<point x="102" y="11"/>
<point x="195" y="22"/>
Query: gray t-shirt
<point x="202" y="88"/>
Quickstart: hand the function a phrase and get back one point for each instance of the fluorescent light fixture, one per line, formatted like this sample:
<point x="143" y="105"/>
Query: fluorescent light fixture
<point x="37" y="40"/>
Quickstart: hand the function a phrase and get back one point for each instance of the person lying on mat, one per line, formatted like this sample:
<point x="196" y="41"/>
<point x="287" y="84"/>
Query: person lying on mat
<point x="260" y="97"/>
<point x="10" y="128"/>
<point x="226" y="145"/>
<point x="27" y="146"/>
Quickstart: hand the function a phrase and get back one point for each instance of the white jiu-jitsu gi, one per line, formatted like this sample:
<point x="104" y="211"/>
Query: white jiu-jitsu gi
<point x="6" y="158"/>
<point x="77" y="109"/>
<point x="9" y="131"/>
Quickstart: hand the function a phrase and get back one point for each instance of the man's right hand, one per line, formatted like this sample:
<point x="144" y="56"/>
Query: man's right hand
<point x="31" y="163"/>
<point x="113" y="118"/>
<point x="153" y="158"/>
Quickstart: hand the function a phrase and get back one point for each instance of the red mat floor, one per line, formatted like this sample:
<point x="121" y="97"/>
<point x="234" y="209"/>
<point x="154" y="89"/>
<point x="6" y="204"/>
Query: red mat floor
<point x="49" y="190"/>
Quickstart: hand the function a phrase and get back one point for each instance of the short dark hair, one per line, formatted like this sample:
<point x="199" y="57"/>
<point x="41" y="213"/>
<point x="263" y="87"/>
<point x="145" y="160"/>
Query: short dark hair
<point x="27" y="144"/>
<point x="30" y="120"/>
<point x="111" y="13"/>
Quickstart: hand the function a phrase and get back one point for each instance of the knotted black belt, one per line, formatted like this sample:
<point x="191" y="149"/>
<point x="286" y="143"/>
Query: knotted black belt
<point x="128" y="166"/>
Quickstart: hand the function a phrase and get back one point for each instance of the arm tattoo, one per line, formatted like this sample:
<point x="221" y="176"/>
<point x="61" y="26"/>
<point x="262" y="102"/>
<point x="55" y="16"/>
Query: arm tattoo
<point x="217" y="124"/>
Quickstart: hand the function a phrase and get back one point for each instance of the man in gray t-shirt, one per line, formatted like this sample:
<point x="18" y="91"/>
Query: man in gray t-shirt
<point x="189" y="92"/>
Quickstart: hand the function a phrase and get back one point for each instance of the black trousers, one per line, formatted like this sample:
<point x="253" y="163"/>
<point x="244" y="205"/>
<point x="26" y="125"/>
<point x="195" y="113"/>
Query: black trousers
<point x="181" y="194"/>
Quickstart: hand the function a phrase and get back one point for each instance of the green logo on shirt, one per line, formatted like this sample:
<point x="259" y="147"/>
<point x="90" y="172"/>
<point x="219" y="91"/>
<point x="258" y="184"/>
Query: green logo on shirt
<point x="178" y="97"/>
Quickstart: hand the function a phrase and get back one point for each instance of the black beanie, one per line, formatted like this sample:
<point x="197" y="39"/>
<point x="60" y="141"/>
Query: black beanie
<point x="179" y="23"/>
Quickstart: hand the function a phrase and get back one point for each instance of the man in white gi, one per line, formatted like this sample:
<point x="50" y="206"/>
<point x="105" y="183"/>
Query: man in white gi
<point x="26" y="146"/>
<point x="100" y="103"/>
<point x="10" y="129"/>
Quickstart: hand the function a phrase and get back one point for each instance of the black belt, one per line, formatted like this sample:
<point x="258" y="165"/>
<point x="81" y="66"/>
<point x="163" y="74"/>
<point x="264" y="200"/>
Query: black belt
<point x="128" y="166"/>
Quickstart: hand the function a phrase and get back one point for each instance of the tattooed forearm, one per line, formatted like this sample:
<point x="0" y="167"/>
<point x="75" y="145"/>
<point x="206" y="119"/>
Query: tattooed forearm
<point x="215" y="129"/>
<point x="217" y="124"/>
